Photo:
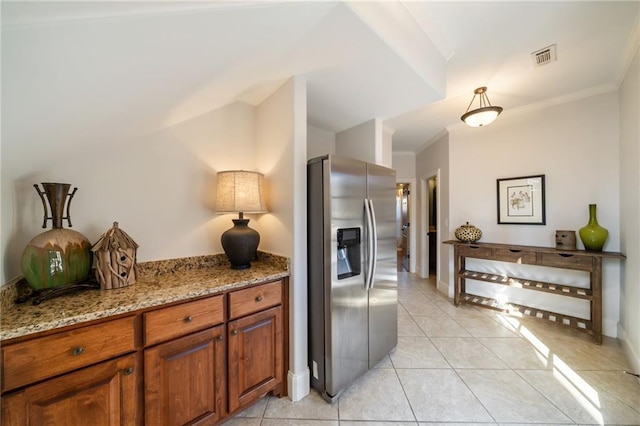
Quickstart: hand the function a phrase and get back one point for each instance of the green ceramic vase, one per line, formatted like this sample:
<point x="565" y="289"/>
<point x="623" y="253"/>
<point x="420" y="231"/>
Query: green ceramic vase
<point x="59" y="256"/>
<point x="593" y="235"/>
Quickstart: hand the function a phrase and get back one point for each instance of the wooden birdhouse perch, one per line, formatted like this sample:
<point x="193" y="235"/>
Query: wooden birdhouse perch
<point x="115" y="254"/>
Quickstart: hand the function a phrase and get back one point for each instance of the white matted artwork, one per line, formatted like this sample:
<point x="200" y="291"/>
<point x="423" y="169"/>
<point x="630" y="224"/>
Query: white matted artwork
<point x="521" y="200"/>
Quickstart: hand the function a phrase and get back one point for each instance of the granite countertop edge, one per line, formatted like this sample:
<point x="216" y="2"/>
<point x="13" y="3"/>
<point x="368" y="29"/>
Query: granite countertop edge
<point x="159" y="283"/>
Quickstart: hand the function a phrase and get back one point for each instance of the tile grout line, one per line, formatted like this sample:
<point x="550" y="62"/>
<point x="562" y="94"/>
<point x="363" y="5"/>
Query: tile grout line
<point x="395" y="370"/>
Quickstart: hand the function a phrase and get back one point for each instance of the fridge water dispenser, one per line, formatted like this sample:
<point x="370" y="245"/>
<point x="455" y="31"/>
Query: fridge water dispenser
<point x="348" y="252"/>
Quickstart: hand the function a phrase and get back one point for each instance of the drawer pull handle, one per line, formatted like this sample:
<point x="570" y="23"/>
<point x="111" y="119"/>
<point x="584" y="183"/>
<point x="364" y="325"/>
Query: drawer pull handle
<point x="565" y="255"/>
<point x="128" y="371"/>
<point x="259" y="298"/>
<point x="514" y="251"/>
<point x="188" y="319"/>
<point x="77" y="350"/>
<point x="474" y="247"/>
<point x="234" y="332"/>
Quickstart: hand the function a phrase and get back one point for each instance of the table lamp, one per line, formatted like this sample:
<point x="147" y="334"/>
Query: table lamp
<point x="240" y="191"/>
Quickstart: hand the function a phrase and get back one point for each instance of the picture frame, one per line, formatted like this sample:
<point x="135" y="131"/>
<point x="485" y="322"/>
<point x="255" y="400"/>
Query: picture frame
<point x="521" y="200"/>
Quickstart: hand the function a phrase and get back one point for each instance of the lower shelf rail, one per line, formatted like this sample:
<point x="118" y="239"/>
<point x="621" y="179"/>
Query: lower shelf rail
<point x="564" y="290"/>
<point x="514" y="308"/>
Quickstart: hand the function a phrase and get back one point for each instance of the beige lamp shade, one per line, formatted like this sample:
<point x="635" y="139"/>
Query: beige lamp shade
<point x="240" y="191"/>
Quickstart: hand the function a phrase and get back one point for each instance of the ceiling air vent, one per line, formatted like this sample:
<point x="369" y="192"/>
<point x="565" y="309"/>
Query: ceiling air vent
<point x="544" y="56"/>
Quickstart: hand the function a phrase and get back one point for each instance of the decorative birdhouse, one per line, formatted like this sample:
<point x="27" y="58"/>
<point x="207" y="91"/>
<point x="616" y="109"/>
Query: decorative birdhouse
<point x="115" y="254"/>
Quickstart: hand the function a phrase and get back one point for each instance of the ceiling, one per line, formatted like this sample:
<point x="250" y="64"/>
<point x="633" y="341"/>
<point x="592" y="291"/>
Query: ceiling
<point x="140" y="66"/>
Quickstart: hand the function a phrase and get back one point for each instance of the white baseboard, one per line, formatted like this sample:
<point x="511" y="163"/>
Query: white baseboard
<point x="298" y="385"/>
<point x="443" y="288"/>
<point x="632" y="356"/>
<point x="610" y="328"/>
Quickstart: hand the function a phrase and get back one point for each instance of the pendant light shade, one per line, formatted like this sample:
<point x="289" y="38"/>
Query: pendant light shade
<point x="483" y="115"/>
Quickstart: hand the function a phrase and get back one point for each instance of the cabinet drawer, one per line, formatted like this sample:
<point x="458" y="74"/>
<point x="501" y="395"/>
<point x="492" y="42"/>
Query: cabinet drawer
<point x="475" y="251"/>
<point x="254" y="299"/>
<point x="568" y="260"/>
<point x="167" y="323"/>
<point x="43" y="357"/>
<point x="515" y="255"/>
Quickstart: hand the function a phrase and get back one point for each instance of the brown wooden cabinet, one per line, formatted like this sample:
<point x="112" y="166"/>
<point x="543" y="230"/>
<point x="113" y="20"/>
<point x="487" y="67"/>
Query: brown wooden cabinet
<point x="185" y="380"/>
<point x="103" y="394"/>
<point x="197" y="362"/>
<point x="255" y="356"/>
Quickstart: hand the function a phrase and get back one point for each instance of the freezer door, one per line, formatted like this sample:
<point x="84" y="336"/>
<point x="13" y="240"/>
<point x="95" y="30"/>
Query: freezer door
<point x="383" y="295"/>
<point x="346" y="335"/>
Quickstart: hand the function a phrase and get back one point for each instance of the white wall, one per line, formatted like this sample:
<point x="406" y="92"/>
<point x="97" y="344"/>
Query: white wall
<point x="160" y="187"/>
<point x="386" y="152"/>
<point x="576" y="146"/>
<point x="429" y="161"/>
<point x="320" y="142"/>
<point x="281" y="152"/>
<point x="370" y="141"/>
<point x="630" y="211"/>
<point x="358" y="142"/>
<point x="404" y="163"/>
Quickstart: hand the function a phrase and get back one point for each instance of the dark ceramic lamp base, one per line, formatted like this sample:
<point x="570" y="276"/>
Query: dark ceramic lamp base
<point x="240" y="244"/>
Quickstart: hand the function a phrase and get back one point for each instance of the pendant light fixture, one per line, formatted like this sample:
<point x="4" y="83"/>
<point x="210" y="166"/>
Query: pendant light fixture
<point x="483" y="115"/>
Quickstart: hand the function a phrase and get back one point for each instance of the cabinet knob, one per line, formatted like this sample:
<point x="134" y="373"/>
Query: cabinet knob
<point x="128" y="371"/>
<point x="234" y="332"/>
<point x="188" y="319"/>
<point x="77" y="350"/>
<point x="259" y="298"/>
<point x="220" y="338"/>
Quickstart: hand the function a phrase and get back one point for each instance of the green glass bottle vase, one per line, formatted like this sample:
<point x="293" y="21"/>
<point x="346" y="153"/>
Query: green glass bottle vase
<point x="593" y="235"/>
<point x="59" y="256"/>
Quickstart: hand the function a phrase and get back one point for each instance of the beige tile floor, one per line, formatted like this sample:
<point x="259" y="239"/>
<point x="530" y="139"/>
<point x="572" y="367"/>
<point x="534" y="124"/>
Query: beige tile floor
<point x="463" y="366"/>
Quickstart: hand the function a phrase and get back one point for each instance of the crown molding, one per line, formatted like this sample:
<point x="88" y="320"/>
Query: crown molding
<point x="20" y="14"/>
<point x="442" y="133"/>
<point x="629" y="52"/>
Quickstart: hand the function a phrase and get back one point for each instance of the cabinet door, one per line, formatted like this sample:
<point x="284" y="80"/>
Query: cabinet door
<point x="104" y="394"/>
<point x="185" y="380"/>
<point x="255" y="356"/>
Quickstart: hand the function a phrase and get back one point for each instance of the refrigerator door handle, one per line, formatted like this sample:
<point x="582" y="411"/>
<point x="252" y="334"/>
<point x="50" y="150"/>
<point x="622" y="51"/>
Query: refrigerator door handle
<point x="370" y="235"/>
<point x="374" y="244"/>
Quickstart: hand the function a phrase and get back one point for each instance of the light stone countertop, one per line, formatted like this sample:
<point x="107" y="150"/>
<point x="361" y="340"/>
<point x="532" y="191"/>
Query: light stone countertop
<point x="157" y="283"/>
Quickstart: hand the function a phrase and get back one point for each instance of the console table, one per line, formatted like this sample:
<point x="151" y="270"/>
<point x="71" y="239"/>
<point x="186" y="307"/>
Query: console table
<point x="589" y="261"/>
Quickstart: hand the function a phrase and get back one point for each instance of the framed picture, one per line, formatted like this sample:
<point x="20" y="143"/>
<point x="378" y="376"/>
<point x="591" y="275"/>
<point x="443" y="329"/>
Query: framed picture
<point x="521" y="200"/>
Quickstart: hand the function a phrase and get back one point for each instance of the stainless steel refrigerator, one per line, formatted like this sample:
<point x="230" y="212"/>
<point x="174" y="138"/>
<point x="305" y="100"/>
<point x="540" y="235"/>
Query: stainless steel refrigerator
<point x="352" y="270"/>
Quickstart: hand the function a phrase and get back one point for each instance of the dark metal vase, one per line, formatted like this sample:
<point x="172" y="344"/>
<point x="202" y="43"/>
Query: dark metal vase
<point x="57" y="257"/>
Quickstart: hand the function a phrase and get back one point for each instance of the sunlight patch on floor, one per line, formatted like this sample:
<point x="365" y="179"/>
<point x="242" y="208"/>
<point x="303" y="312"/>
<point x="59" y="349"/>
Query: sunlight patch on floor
<point x="586" y="395"/>
<point x="583" y="393"/>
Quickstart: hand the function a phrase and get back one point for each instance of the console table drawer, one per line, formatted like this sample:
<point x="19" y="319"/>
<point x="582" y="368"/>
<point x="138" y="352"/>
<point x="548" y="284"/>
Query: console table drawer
<point x="566" y="260"/>
<point x="475" y="251"/>
<point x="515" y="255"/>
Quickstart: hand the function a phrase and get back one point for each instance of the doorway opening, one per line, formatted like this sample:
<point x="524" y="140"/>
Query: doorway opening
<point x="429" y="224"/>
<point x="432" y="234"/>
<point x="403" y="207"/>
